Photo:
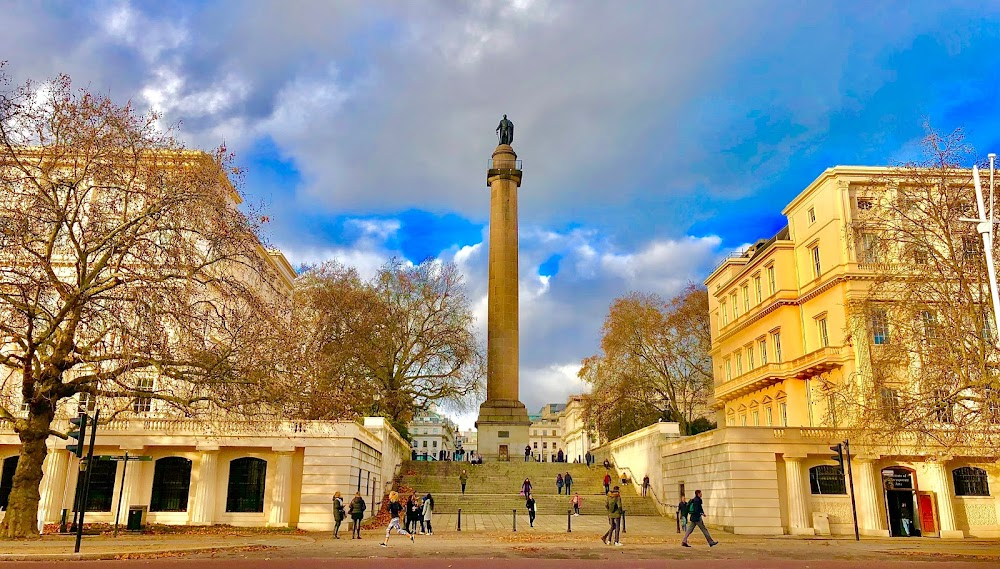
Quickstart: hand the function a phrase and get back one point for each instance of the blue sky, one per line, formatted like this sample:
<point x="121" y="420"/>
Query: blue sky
<point x="655" y="136"/>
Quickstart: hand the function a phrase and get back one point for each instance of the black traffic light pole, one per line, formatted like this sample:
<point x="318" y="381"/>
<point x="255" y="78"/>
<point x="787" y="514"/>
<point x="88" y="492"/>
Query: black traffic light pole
<point x="850" y="478"/>
<point x="86" y="486"/>
<point x="77" y="449"/>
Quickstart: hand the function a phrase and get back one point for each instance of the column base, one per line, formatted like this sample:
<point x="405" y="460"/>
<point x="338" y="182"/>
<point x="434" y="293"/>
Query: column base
<point x="276" y="524"/>
<point x="952" y="534"/>
<point x="502" y="429"/>
<point x="874" y="532"/>
<point x="801" y="531"/>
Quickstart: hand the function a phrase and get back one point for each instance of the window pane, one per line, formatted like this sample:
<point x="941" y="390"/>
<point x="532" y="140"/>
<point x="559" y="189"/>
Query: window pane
<point x="971" y="481"/>
<point x="102" y="485"/>
<point x="246" y="485"/>
<point x="827" y="479"/>
<point x="171" y="485"/>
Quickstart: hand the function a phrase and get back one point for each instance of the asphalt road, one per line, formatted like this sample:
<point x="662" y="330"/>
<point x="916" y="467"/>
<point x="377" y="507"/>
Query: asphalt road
<point x="435" y="563"/>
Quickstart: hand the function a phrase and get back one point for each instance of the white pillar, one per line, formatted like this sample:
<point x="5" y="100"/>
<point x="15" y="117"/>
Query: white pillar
<point x="871" y="518"/>
<point x="202" y="511"/>
<point x="946" y="512"/>
<point x="69" y="492"/>
<point x="798" y="522"/>
<point x="281" y="491"/>
<point x="53" y="485"/>
<point x="129" y="486"/>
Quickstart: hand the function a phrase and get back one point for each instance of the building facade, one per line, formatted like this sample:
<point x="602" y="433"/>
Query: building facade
<point x="545" y="433"/>
<point x="432" y="436"/>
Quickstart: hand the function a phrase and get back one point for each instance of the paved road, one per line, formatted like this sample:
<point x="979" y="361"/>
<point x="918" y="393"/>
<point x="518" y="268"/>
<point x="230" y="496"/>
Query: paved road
<point x="436" y="563"/>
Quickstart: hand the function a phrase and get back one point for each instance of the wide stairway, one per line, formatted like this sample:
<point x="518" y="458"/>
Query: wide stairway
<point x="495" y="487"/>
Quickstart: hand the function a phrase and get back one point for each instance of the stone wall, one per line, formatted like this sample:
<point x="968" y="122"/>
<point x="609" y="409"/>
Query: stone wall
<point x="639" y="454"/>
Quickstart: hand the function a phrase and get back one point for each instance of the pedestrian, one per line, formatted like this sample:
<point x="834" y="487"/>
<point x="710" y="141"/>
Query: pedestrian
<point x="607" y="483"/>
<point x="559" y="483"/>
<point x="568" y="482"/>
<point x="526" y="488"/>
<point x="527" y="452"/>
<point x="429" y="513"/>
<point x="357" y="508"/>
<point x="697" y="515"/>
<point x="682" y="513"/>
<point x="607" y="464"/>
<point x="576" y="504"/>
<point x="645" y="485"/>
<point x="613" y="504"/>
<point x="338" y="513"/>
<point x="463" y="478"/>
<point x="419" y="506"/>
<point x="410" y="514"/>
<point x="394" y="510"/>
<point x="589" y="457"/>
<point x="530" y="505"/>
<point x="561" y="456"/>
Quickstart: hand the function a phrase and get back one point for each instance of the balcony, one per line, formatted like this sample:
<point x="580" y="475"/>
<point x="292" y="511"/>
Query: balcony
<point x="813" y="363"/>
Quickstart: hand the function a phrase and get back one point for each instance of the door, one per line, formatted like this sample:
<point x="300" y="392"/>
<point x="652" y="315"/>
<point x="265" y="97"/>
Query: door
<point x="928" y="514"/>
<point x="504" y="455"/>
<point x="900" y="501"/>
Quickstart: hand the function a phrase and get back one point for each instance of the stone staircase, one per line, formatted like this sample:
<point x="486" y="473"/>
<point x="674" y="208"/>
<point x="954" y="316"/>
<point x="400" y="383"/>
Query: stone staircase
<point x="494" y="488"/>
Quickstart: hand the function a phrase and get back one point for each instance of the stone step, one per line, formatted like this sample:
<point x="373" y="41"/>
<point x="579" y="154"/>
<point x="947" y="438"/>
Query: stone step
<point x="499" y="504"/>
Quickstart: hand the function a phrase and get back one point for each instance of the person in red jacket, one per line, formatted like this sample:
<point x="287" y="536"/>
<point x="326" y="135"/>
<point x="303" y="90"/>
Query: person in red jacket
<point x="607" y="483"/>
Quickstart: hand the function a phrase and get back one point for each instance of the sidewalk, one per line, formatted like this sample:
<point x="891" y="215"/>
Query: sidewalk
<point x="58" y="546"/>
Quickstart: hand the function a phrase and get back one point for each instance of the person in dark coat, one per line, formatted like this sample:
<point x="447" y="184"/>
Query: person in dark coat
<point x="568" y="482"/>
<point x="613" y="504"/>
<point x="527" y="452"/>
<point x="529" y="503"/>
<point x="559" y="483"/>
<point x="338" y="513"/>
<point x="463" y="478"/>
<point x="682" y="513"/>
<point x="357" y="509"/>
<point x="645" y="484"/>
<point x="526" y="488"/>
<point x="696" y="515"/>
<point x="411" y="515"/>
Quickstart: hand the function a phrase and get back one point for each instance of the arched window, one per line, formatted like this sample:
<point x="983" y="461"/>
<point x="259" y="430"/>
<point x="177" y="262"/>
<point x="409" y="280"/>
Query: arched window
<point x="827" y="479"/>
<point x="7" y="480"/>
<point x="246" y="485"/>
<point x="171" y="485"/>
<point x="102" y="485"/>
<point x="969" y="481"/>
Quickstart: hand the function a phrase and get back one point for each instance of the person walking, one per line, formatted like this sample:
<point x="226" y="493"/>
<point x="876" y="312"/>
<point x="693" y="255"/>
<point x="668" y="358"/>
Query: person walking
<point x="357" y="509"/>
<point x="526" y="487"/>
<point x="607" y="482"/>
<point x="613" y="504"/>
<point x="394" y="510"/>
<point x="586" y="458"/>
<point x="575" y="501"/>
<point x="645" y="485"/>
<point x="697" y="515"/>
<point x="338" y="513"/>
<point x="682" y="513"/>
<point x="561" y="456"/>
<point x="527" y="452"/>
<point x="418" y="505"/>
<point x="568" y="482"/>
<point x="529" y="503"/>
<point x="429" y="513"/>
<point x="463" y="478"/>
<point x="559" y="483"/>
<point x="607" y="464"/>
<point x="409" y="514"/>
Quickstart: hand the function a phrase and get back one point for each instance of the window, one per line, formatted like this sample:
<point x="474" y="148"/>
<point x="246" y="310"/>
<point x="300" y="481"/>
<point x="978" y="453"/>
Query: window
<point x="246" y="485"/>
<point x="991" y="405"/>
<point x="85" y="403"/>
<point x="743" y="419"/>
<point x="824" y="337"/>
<point x="920" y="256"/>
<point x="831" y="408"/>
<point x="768" y="416"/>
<point x="827" y="479"/>
<point x="545" y="445"/>
<point x="783" y="413"/>
<point x="415" y="443"/>
<point x="7" y="480"/>
<point x="776" y="340"/>
<point x="102" y="486"/>
<point x="880" y="326"/>
<point x="972" y="247"/>
<point x="771" y="283"/>
<point x="868" y="248"/>
<point x="986" y="331"/>
<point x="817" y="267"/>
<point x="929" y="320"/>
<point x="142" y="403"/>
<point x="756" y="288"/>
<point x="746" y="298"/>
<point x="750" y="362"/>
<point x="889" y="400"/>
<point x="535" y="446"/>
<point x="729" y="369"/>
<point x="739" y="363"/>
<point x="944" y="406"/>
<point x="811" y="214"/>
<point x="756" y="418"/>
<point x="171" y="485"/>
<point x="425" y="444"/>
<point x="736" y="307"/>
<point x="971" y="481"/>
<point x="725" y="313"/>
<point x="864" y="204"/>
<point x="762" y="348"/>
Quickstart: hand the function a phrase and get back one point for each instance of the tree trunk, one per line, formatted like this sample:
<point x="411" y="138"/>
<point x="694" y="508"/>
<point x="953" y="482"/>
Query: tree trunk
<point x="21" y="519"/>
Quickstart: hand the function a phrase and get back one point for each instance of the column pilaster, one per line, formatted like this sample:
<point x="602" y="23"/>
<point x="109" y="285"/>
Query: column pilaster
<point x="281" y="493"/>
<point x="53" y="486"/>
<point x="871" y="518"/>
<point x="946" y="512"/>
<point x="130" y="484"/>
<point x="798" y="514"/>
<point x="203" y="508"/>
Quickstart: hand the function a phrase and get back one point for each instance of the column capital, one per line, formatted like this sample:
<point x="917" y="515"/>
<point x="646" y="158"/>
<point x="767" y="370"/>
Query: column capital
<point x="283" y="449"/>
<point x="793" y="457"/>
<point x="207" y="447"/>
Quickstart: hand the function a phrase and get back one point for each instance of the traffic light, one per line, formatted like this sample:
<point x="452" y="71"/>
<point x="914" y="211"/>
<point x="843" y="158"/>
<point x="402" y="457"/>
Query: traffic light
<point x="839" y="457"/>
<point x="80" y="422"/>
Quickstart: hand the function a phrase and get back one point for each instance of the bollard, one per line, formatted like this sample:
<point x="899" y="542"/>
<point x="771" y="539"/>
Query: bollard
<point x="623" y="522"/>
<point x="569" y="521"/>
<point x="460" y="519"/>
<point x="515" y="520"/>
<point x="62" y="521"/>
<point x="677" y="517"/>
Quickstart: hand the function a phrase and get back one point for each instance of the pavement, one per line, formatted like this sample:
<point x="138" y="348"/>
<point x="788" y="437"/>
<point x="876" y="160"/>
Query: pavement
<point x="649" y="543"/>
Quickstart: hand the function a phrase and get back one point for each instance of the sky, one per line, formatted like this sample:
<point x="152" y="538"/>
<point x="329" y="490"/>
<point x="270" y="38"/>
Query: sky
<point x="655" y="136"/>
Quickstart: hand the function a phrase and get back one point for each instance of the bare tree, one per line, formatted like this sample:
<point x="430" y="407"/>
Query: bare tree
<point x="923" y="329"/>
<point x="127" y="273"/>
<point x="657" y="352"/>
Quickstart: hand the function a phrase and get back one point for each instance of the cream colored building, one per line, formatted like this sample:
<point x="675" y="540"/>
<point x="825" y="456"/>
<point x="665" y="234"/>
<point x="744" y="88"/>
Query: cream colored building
<point x="432" y="436"/>
<point x="545" y="433"/>
<point x="577" y="439"/>
<point x="778" y="319"/>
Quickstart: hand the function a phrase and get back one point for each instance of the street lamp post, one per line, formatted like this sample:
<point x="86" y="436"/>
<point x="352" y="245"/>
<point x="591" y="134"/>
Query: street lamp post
<point x="984" y="225"/>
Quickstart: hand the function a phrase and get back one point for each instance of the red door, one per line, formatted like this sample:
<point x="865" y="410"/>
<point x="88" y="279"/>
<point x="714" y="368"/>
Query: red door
<point x="925" y="503"/>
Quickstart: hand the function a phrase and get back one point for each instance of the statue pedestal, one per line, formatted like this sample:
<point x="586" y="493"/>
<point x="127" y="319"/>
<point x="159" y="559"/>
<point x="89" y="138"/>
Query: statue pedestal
<point x="502" y="429"/>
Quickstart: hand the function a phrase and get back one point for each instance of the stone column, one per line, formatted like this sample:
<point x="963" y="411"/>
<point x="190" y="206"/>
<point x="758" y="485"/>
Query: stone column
<point x="798" y="514"/>
<point x="130" y="490"/>
<point x="202" y="511"/>
<point x="946" y="512"/>
<point x="53" y="485"/>
<point x="69" y="491"/>
<point x="871" y="518"/>
<point x="281" y="491"/>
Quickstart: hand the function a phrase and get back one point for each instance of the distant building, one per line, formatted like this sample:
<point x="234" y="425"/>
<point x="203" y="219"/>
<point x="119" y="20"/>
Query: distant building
<point x="545" y="433"/>
<point x="468" y="442"/>
<point x="577" y="440"/>
<point x="432" y="436"/>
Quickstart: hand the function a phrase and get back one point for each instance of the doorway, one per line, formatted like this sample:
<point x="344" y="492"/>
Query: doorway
<point x="900" y="502"/>
<point x="504" y="454"/>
